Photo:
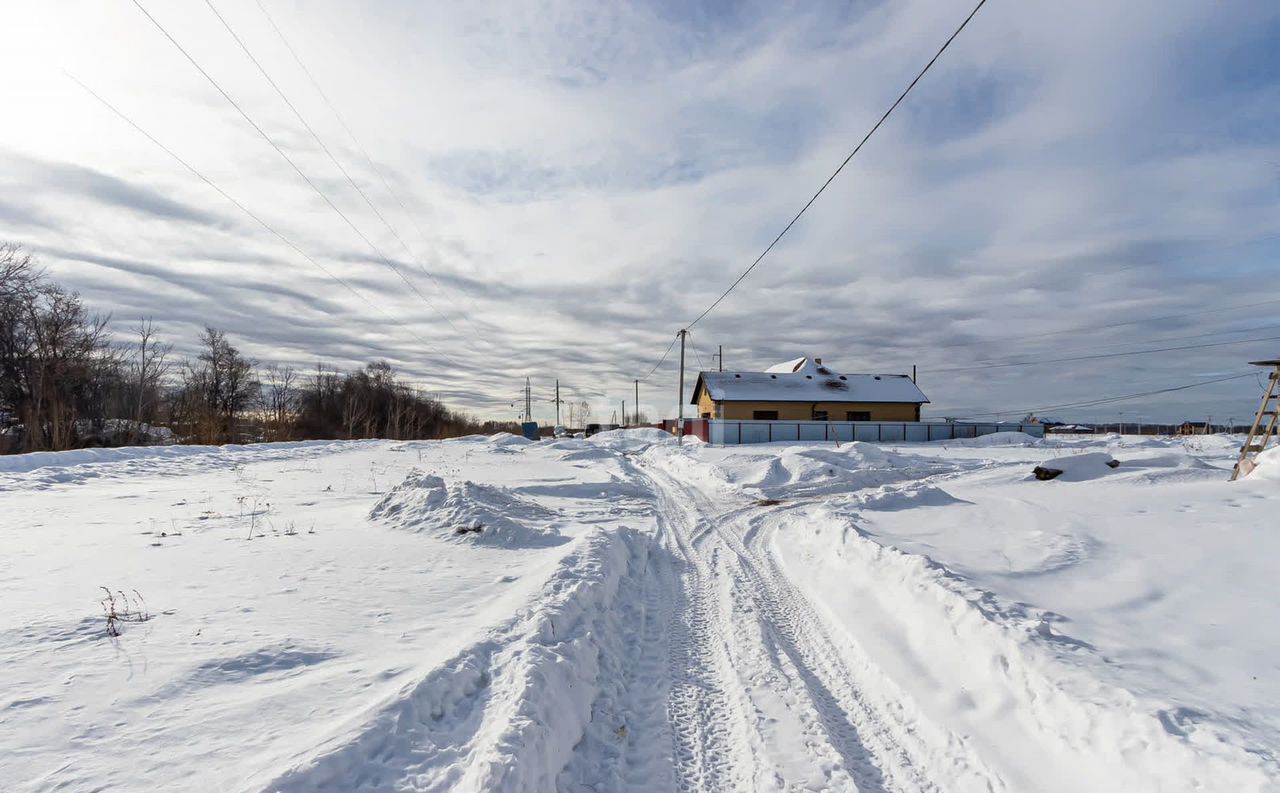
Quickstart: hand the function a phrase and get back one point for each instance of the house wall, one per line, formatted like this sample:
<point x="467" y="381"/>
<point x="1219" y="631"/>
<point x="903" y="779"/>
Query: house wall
<point x="803" y="411"/>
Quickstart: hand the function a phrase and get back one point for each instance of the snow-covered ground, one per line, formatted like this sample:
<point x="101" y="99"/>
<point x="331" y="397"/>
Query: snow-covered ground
<point x="622" y="614"/>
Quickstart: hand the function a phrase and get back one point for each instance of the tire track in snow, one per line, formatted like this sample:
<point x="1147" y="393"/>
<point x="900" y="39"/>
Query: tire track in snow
<point x="872" y="744"/>
<point x="708" y="726"/>
<point x="758" y="649"/>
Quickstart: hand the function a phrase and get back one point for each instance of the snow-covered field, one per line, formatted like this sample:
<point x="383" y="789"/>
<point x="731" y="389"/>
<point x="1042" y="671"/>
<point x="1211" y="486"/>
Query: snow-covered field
<point x="622" y="614"/>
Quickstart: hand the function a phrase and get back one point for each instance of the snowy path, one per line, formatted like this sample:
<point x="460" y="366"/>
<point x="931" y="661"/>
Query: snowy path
<point x="762" y="697"/>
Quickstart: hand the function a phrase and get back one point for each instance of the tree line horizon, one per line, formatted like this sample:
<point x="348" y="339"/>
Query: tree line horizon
<point x="65" y="383"/>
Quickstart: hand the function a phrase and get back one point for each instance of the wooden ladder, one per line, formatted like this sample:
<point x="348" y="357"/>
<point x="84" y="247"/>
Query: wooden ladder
<point x="1264" y="424"/>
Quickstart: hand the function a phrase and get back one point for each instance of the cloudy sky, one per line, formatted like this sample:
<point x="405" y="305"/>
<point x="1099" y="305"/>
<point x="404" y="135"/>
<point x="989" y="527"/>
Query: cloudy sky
<point x="562" y="186"/>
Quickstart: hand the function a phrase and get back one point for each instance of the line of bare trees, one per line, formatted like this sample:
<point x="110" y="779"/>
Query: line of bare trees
<point x="65" y="384"/>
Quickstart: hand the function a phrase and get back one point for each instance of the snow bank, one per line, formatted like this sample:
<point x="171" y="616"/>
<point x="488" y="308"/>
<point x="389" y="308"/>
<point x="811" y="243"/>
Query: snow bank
<point x="994" y="439"/>
<point x="504" y="715"/>
<point x="1004" y="672"/>
<point x="23" y="463"/>
<point x="1076" y="467"/>
<point x="468" y="512"/>
<point x="1170" y="458"/>
<point x="813" y="471"/>
<point x="1266" y="466"/>
<point x="631" y="440"/>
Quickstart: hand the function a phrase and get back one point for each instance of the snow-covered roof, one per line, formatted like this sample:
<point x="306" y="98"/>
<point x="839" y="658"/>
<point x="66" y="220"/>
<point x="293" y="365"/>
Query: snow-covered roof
<point x="807" y="380"/>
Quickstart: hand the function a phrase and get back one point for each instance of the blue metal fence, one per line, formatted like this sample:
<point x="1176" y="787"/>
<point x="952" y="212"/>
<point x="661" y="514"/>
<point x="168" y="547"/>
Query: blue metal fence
<point x="740" y="432"/>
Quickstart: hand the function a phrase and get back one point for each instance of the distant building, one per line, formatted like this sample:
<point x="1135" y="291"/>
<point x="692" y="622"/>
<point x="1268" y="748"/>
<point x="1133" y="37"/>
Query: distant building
<point x="1070" y="429"/>
<point x="1191" y="428"/>
<point x="806" y="390"/>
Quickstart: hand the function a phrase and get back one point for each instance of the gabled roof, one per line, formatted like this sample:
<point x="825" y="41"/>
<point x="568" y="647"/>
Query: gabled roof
<point x="807" y="380"/>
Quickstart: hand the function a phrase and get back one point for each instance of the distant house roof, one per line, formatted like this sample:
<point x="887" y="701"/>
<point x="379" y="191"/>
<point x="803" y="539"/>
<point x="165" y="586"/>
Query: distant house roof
<point x="807" y="380"/>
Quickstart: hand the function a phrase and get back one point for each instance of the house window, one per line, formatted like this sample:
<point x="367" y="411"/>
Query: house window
<point x="764" y="415"/>
<point x="706" y="414"/>
<point x="857" y="415"/>
<point x="819" y="415"/>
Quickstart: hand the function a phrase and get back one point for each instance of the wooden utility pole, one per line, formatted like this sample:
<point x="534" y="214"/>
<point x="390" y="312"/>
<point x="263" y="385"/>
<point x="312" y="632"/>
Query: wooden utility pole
<point x="624" y="412"/>
<point x="557" y="403"/>
<point x="680" y="396"/>
<point x="637" y="401"/>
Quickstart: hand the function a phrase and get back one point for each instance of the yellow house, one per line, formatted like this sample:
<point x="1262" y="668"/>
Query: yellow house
<point x="805" y="390"/>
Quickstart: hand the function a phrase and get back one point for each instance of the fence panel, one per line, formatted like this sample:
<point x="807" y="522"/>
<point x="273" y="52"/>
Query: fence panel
<point x="740" y="432"/>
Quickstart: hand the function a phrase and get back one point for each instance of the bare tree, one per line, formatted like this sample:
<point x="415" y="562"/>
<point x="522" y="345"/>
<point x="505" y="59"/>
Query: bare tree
<point x="217" y="388"/>
<point x="54" y="357"/>
<point x="63" y="384"/>
<point x="148" y="365"/>
<point x="282" y="397"/>
<point x="584" y="412"/>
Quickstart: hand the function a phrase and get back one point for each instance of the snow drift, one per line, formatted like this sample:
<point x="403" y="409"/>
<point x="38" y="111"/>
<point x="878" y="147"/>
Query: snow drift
<point x="1266" y="466"/>
<point x="1076" y="467"/>
<point x="988" y="658"/>
<point x="805" y="471"/>
<point x="467" y="511"/>
<point x="504" y="715"/>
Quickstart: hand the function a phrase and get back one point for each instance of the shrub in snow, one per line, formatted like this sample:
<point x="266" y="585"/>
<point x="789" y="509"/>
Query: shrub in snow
<point x="1076" y="467"/>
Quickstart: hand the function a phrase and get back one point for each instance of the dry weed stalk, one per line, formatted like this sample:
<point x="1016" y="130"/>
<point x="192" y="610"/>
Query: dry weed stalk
<point x="119" y="608"/>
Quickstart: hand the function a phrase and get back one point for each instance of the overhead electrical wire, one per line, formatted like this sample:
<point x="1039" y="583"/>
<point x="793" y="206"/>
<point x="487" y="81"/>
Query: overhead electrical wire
<point x="670" y="347"/>
<point x="1112" y="399"/>
<point x="837" y="171"/>
<point x="422" y="237"/>
<point x="250" y="213"/>
<point x="1108" y="326"/>
<point x="978" y="367"/>
<point x="701" y="365"/>
<point x="323" y="147"/>
<point x="1194" y="254"/>
<point x="1157" y="340"/>
<point x="289" y="160"/>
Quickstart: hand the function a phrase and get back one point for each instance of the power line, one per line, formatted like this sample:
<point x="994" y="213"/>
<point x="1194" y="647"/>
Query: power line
<point x="695" y="352"/>
<point x="316" y="137"/>
<point x="250" y="213"/>
<point x="1121" y="398"/>
<point x="422" y="237"/>
<point x="837" y="171"/>
<point x="1155" y="340"/>
<point x="287" y="159"/>
<point x="1126" y="323"/>
<point x="670" y="347"/>
<point x="1105" y="355"/>
<point x="1018" y="360"/>
<point x="1196" y="254"/>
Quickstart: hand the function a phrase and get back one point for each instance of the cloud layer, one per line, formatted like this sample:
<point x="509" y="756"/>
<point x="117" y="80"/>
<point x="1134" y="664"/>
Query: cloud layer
<point x="568" y="183"/>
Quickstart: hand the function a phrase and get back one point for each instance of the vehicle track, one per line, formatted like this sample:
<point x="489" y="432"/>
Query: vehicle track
<point x="704" y="704"/>
<point x="750" y="655"/>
